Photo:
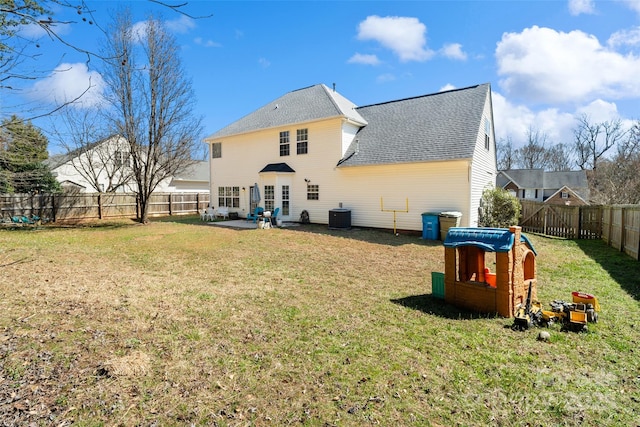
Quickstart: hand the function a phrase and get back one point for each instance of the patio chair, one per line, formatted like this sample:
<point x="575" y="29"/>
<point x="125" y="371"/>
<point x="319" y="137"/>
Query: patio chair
<point x="274" y="216"/>
<point x="257" y="212"/>
<point x="210" y="214"/>
<point x="222" y="212"/>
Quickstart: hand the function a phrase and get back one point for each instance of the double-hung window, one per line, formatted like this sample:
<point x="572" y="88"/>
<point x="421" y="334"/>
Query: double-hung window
<point x="487" y="132"/>
<point x="216" y="150"/>
<point x="302" y="141"/>
<point x="285" y="200"/>
<point x="284" y="143"/>
<point x="121" y="159"/>
<point x="269" y="197"/>
<point x="313" y="192"/>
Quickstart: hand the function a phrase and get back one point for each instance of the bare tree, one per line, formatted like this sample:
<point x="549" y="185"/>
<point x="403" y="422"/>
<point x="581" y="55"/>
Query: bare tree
<point x="560" y="158"/>
<point x="152" y="103"/>
<point x="533" y="155"/>
<point x="505" y="154"/>
<point x="18" y="54"/>
<point x="593" y="140"/>
<point x="100" y="158"/>
<point x="616" y="180"/>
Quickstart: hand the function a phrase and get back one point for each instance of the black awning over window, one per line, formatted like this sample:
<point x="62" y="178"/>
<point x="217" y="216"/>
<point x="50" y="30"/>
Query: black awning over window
<point x="277" y="167"/>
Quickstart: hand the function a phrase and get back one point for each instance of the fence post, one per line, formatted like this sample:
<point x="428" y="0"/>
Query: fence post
<point x="610" y="225"/>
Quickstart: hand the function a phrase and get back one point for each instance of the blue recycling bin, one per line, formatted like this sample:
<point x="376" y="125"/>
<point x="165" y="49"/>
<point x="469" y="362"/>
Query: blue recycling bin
<point x="430" y="225"/>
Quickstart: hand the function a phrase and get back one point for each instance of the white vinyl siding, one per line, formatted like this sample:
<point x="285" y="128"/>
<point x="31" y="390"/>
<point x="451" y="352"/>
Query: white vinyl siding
<point x="428" y="187"/>
<point x="482" y="169"/>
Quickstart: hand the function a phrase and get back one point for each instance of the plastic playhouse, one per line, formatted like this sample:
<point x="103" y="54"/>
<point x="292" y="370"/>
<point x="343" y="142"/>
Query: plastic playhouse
<point x="468" y="280"/>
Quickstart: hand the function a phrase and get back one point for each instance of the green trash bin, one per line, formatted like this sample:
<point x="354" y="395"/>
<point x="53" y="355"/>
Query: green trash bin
<point x="437" y="284"/>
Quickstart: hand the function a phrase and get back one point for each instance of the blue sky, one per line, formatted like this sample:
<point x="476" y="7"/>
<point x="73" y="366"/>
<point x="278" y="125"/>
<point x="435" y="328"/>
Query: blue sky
<point x="547" y="61"/>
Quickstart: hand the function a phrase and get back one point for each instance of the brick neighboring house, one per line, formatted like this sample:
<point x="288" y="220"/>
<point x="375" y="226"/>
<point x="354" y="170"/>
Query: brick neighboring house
<point x="569" y="188"/>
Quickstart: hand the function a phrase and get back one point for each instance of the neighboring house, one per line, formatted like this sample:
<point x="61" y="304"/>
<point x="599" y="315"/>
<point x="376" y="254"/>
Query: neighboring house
<point x="106" y="166"/>
<point x="558" y="188"/>
<point x="314" y="150"/>
<point x="194" y="179"/>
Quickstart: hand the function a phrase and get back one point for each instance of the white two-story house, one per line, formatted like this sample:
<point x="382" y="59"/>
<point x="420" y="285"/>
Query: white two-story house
<point x="314" y="150"/>
<point x="105" y="166"/>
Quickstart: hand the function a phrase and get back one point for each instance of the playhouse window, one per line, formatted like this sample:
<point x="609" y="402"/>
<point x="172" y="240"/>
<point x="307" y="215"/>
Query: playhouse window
<point x="470" y="263"/>
<point x="473" y="262"/>
<point x="529" y="266"/>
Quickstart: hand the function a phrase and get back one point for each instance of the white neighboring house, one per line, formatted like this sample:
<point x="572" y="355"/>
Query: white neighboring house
<point x="314" y="150"/>
<point x="106" y="165"/>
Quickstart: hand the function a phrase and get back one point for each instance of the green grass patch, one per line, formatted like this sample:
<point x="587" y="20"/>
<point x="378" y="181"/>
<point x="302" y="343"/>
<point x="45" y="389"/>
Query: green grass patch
<point x="178" y="323"/>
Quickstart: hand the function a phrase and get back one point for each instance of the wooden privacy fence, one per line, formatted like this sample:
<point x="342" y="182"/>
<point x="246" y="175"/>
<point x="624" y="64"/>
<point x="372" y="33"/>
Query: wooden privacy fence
<point x="78" y="206"/>
<point x="621" y="228"/>
<point x="570" y="222"/>
<point x="617" y="225"/>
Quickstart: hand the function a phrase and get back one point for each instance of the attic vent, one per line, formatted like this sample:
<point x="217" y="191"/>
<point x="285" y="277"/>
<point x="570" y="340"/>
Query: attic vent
<point x="276" y="107"/>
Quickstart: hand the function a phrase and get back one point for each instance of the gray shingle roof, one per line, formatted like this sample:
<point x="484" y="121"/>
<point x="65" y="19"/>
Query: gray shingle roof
<point x="199" y="171"/>
<point x="523" y="178"/>
<point x="538" y="178"/>
<point x="299" y="106"/>
<point x="440" y="126"/>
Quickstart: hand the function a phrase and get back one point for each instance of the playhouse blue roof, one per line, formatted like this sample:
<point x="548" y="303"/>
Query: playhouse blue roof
<point x="489" y="239"/>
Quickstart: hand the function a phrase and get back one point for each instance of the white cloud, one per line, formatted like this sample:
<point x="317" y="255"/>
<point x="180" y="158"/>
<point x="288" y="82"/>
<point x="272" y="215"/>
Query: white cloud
<point x="544" y="65"/>
<point x="578" y="7"/>
<point x="384" y="78"/>
<point x="264" y="63"/>
<point x="404" y="36"/>
<point x="139" y="31"/>
<point x="206" y="43"/>
<point x="66" y="83"/>
<point x="34" y="32"/>
<point x="633" y="5"/>
<point x="360" y="58"/>
<point x="513" y="121"/>
<point x="599" y="111"/>
<point x="454" y="51"/>
<point x="625" y="38"/>
<point x="181" y="25"/>
<point x="446" y="87"/>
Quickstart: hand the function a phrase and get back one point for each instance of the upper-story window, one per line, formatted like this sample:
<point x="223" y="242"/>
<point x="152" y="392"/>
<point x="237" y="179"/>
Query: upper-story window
<point x="487" y="132"/>
<point x="122" y="159"/>
<point x="284" y="143"/>
<point x="564" y="194"/>
<point x="302" y="139"/>
<point x="216" y="150"/>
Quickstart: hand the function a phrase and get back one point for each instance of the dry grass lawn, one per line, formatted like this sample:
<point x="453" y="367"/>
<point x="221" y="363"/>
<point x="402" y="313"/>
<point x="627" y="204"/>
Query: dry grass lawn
<point x="179" y="323"/>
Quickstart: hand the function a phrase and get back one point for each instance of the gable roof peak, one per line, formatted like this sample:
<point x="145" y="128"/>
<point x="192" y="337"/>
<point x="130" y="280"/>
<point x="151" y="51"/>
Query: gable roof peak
<point x="302" y="105"/>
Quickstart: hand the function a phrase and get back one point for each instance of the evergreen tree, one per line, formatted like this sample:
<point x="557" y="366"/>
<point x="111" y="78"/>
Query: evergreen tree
<point x="23" y="149"/>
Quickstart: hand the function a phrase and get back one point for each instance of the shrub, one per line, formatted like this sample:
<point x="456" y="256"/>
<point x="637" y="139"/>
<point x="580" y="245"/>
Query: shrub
<point x="498" y="208"/>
